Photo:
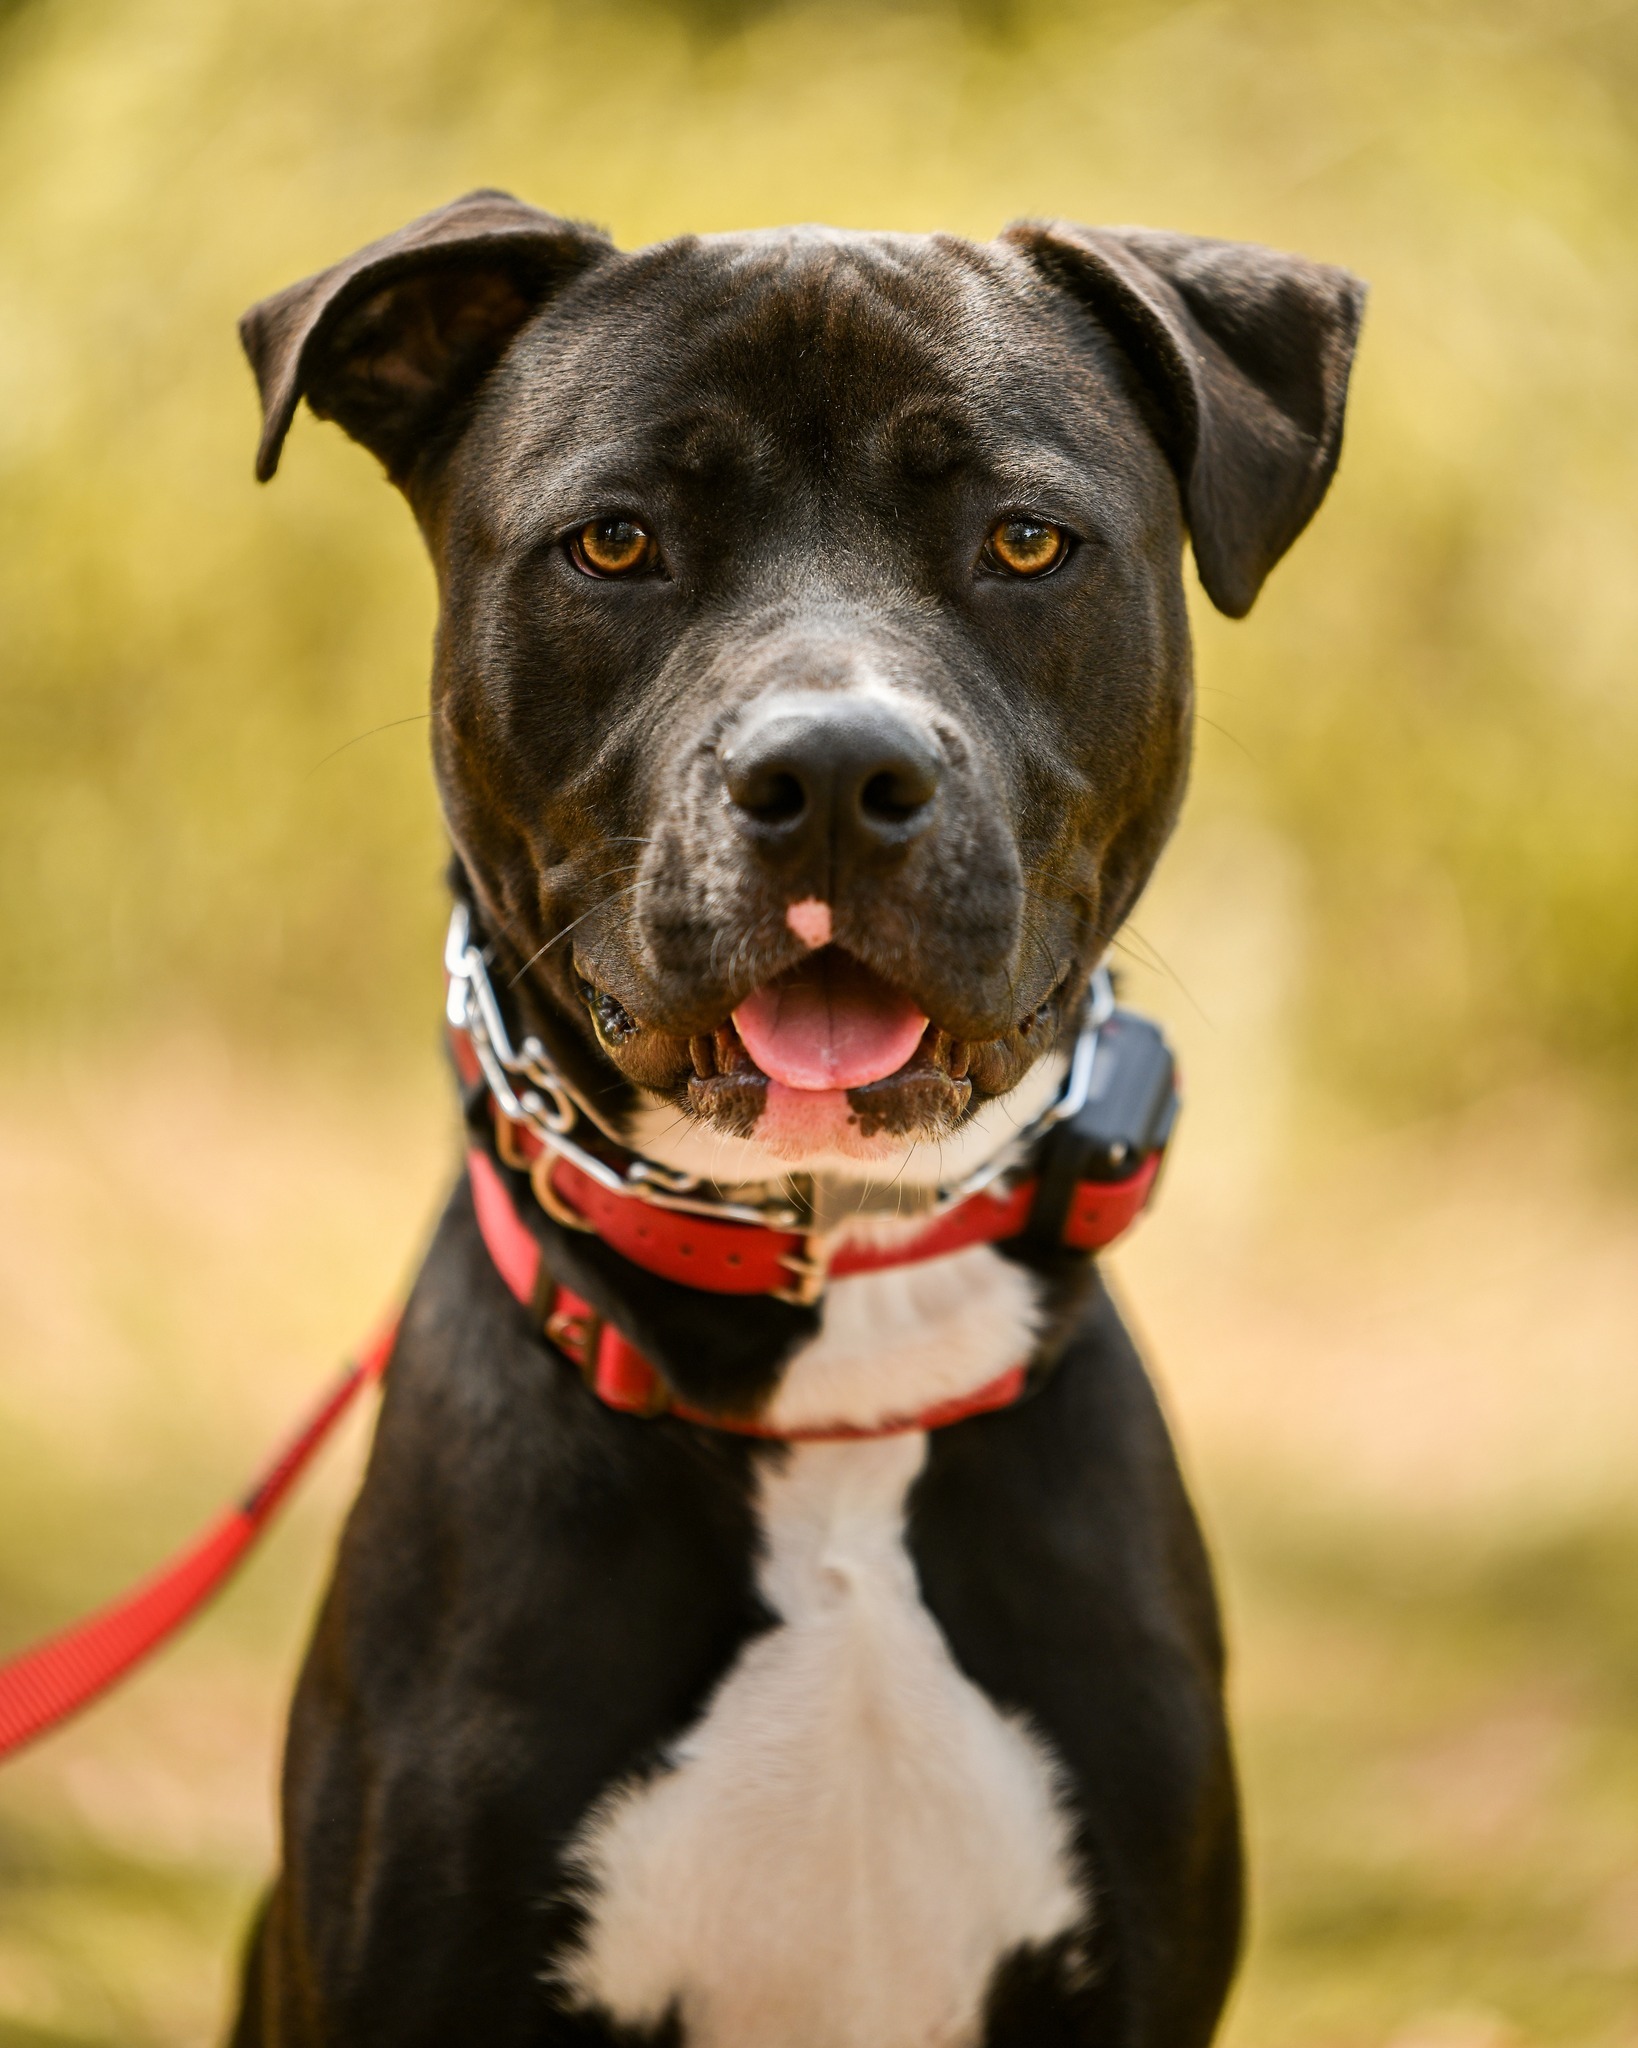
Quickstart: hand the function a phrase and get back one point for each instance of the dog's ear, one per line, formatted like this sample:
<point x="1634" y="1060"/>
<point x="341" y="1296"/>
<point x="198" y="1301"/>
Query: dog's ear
<point x="388" y="342"/>
<point x="1244" y="356"/>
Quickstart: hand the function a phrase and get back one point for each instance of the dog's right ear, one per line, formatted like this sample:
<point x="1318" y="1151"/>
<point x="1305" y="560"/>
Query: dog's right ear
<point x="389" y="342"/>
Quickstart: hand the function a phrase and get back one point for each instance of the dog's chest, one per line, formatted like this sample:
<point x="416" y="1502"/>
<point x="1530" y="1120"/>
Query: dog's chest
<point x="852" y="1835"/>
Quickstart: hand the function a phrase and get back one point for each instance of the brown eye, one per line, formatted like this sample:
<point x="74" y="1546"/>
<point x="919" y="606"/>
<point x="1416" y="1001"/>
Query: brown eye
<point x="1025" y="547"/>
<point x="611" y="547"/>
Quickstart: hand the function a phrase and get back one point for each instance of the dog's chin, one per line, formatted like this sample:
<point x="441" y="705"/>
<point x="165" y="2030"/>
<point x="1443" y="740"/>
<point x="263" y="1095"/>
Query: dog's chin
<point x="920" y="1125"/>
<point x="802" y="1128"/>
<point x="920" y="1104"/>
<point x="912" y="1132"/>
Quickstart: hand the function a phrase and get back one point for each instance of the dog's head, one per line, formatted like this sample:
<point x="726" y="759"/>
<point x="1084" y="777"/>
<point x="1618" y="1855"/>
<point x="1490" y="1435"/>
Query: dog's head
<point x="812" y="689"/>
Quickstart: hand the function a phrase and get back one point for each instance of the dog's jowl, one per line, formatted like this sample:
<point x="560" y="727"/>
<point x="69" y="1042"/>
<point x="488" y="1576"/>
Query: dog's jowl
<point x="772" y="1617"/>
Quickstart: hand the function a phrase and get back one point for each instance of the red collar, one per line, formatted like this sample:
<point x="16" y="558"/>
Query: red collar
<point x="744" y="1258"/>
<point x="619" y="1374"/>
<point x="754" y="1258"/>
<point x="1087" y="1174"/>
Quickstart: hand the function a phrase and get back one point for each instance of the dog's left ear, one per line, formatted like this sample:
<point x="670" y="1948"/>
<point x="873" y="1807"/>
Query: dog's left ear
<point x="1244" y="355"/>
<point x="391" y="340"/>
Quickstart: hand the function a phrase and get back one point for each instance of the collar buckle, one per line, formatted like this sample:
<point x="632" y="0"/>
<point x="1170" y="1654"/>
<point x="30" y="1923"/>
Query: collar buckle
<point x="809" y="1270"/>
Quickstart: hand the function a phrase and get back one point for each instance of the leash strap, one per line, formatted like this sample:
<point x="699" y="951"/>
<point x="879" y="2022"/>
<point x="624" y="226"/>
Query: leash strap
<point x="43" y="1686"/>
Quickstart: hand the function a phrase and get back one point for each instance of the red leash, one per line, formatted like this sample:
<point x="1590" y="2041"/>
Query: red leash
<point x="45" y="1685"/>
<point x="42" y="1687"/>
<point x="1090" y="1194"/>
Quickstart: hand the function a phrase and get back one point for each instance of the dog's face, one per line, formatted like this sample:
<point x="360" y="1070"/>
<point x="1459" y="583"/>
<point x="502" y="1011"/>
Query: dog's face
<point x="805" y="588"/>
<point x="812" y="689"/>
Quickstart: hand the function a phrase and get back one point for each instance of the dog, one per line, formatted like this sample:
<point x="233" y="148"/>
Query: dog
<point x="835" y="1663"/>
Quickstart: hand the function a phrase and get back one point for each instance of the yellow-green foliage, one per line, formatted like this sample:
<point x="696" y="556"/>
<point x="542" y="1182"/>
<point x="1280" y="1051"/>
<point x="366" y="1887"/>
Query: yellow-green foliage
<point x="1431" y="705"/>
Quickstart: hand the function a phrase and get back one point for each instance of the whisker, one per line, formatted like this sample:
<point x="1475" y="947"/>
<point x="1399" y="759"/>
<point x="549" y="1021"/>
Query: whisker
<point x="1233" y="739"/>
<point x="1157" y="962"/>
<point x="608" y="903"/>
<point x="414" y="718"/>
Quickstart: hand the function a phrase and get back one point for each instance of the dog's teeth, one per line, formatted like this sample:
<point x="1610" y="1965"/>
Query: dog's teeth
<point x="954" y="1055"/>
<point x="730" y="1054"/>
<point x="703" y="1052"/>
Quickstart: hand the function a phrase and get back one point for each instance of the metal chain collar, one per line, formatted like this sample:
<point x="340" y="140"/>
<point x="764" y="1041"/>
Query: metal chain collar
<point x="532" y="1091"/>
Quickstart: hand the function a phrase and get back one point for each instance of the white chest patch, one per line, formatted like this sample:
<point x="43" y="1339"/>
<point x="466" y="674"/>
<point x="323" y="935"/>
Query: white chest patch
<point x="852" y="1835"/>
<point x="896" y="1342"/>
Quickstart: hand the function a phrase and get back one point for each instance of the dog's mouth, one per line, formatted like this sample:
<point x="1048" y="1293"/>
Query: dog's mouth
<point x="828" y="1023"/>
<point x="828" y="1055"/>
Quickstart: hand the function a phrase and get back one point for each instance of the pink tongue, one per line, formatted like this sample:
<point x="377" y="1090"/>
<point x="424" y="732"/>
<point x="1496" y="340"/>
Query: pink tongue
<point x="831" y="1025"/>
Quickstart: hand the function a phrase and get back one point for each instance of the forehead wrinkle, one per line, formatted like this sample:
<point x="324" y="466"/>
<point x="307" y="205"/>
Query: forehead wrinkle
<point x="545" y="489"/>
<point x="747" y="309"/>
<point x="708" y="439"/>
<point x="792" y="344"/>
<point x="801" y="307"/>
<point x="627" y="472"/>
<point x="927" y="436"/>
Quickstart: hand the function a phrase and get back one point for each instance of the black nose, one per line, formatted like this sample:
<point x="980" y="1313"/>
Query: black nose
<point x="831" y="777"/>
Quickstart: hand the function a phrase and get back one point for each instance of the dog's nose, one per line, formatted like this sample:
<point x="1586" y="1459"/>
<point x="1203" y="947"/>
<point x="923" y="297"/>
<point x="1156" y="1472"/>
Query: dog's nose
<point x="830" y="776"/>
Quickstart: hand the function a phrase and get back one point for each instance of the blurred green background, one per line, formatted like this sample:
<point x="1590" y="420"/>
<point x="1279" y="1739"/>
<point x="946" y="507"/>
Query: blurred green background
<point x="1433" y="711"/>
<point x="1393" y="1290"/>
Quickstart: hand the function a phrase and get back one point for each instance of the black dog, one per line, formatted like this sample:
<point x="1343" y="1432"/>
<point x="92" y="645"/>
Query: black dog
<point x="811" y="701"/>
